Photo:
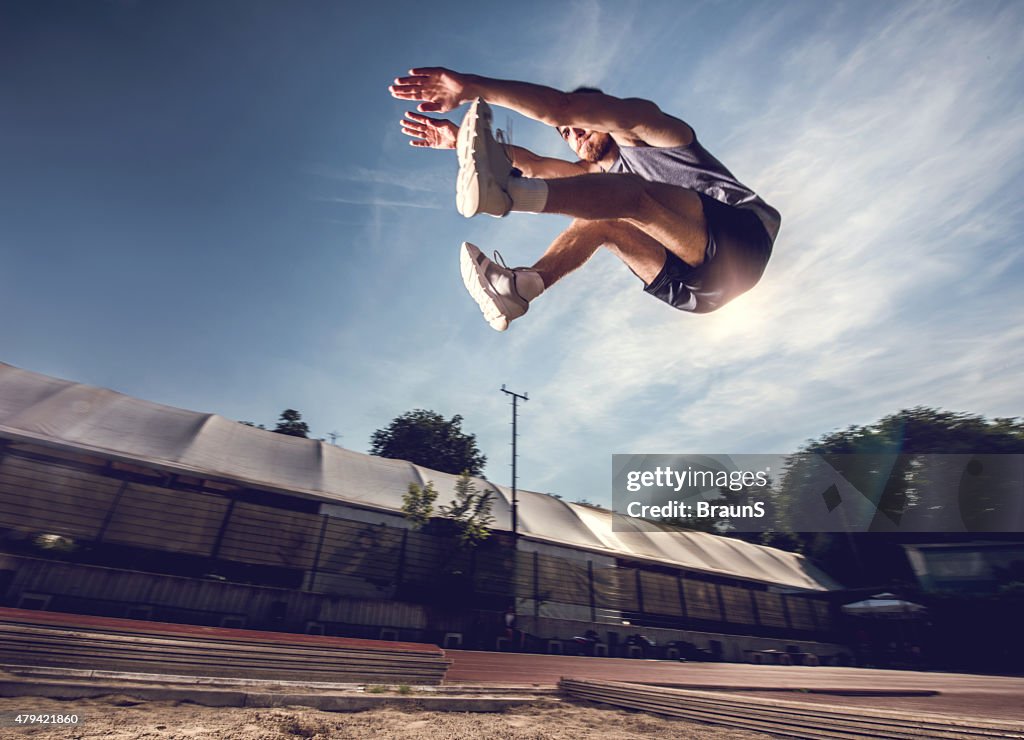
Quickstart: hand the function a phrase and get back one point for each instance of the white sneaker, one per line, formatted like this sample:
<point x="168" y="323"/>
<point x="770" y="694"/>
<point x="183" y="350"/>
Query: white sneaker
<point x="502" y="293"/>
<point x="484" y="167"/>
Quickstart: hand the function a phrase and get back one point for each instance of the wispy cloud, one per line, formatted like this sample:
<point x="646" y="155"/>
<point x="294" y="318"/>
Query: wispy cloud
<point x="416" y="180"/>
<point x="890" y="177"/>
<point x="385" y="202"/>
<point x="587" y="41"/>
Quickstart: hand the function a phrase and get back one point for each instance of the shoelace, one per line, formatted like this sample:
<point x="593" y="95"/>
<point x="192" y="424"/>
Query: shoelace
<point x="505" y="139"/>
<point x="498" y="259"/>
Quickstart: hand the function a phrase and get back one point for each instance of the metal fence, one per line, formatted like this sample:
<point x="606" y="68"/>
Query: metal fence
<point x="106" y="507"/>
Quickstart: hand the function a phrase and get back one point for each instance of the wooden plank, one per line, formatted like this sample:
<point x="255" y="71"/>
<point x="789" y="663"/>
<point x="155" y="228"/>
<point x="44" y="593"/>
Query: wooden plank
<point x="30" y="616"/>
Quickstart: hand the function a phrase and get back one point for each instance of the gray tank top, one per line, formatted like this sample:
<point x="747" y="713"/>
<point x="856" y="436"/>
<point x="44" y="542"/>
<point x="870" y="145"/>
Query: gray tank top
<point x="694" y="168"/>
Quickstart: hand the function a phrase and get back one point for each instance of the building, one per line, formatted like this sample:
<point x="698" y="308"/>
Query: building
<point x="117" y="506"/>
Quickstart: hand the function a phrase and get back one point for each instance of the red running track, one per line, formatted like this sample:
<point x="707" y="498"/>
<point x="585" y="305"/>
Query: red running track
<point x="995" y="697"/>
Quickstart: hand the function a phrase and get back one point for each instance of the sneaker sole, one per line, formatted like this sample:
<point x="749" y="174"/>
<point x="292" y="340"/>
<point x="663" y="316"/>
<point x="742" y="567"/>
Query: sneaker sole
<point x="472" y="158"/>
<point x="480" y="289"/>
<point x="467" y="190"/>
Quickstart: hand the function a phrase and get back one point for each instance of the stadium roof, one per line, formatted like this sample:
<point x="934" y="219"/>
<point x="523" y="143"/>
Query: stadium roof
<point x="63" y="414"/>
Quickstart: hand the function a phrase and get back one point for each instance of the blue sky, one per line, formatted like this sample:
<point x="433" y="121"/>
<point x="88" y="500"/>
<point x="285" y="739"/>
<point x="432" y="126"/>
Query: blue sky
<point x="210" y="205"/>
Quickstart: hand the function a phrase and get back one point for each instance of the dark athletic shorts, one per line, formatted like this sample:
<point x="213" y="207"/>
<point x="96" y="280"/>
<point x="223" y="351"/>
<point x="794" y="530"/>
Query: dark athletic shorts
<point x="734" y="259"/>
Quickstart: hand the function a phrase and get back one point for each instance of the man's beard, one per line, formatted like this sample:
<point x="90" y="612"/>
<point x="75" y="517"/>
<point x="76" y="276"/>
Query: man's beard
<point x="596" y="148"/>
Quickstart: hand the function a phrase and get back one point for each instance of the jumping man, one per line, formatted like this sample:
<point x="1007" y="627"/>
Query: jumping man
<point x="643" y="187"/>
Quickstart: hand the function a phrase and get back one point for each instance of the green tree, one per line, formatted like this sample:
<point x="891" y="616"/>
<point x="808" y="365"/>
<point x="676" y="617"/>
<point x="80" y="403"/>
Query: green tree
<point x="427" y="438"/>
<point x="899" y="482"/>
<point x="890" y="463"/>
<point x="291" y="423"/>
<point x="418" y="503"/>
<point x="471" y="512"/>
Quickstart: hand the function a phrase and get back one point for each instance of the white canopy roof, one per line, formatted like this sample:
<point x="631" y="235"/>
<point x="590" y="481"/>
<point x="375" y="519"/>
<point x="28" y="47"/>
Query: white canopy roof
<point x="59" y="413"/>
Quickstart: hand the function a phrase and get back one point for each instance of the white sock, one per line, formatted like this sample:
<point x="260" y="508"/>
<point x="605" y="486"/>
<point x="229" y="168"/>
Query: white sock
<point x="528" y="194"/>
<point x="529" y="283"/>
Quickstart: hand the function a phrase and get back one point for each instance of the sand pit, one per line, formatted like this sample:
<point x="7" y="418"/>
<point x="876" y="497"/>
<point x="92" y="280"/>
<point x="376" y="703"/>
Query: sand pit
<point x="122" y="717"/>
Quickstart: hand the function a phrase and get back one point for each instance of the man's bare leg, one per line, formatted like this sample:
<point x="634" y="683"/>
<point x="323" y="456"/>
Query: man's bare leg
<point x="504" y="294"/>
<point x="672" y="216"/>
<point x="642" y="254"/>
<point x="642" y="222"/>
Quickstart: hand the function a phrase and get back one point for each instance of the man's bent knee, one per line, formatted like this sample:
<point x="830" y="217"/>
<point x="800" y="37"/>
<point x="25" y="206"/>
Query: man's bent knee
<point x="643" y="255"/>
<point x="675" y="217"/>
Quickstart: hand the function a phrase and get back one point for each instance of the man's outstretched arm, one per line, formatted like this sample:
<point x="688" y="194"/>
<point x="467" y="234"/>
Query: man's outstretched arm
<point x="438" y="133"/>
<point x="629" y="120"/>
<point x="548" y="168"/>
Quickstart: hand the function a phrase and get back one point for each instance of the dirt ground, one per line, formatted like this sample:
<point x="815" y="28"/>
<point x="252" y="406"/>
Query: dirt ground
<point x="127" y="718"/>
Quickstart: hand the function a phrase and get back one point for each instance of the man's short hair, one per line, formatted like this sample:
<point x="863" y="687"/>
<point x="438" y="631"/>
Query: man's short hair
<point x="585" y="89"/>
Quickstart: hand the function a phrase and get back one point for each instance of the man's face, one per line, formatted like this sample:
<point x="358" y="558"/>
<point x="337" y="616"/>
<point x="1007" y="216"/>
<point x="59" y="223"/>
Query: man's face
<point x="590" y="146"/>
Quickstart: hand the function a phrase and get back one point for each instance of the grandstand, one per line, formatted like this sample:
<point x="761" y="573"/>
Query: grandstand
<point x="120" y="507"/>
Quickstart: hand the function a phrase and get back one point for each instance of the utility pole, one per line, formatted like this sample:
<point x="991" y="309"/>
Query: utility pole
<point x="334" y="437"/>
<point x="515" y="413"/>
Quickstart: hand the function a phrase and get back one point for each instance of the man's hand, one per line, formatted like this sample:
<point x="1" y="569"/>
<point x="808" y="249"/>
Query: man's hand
<point x="435" y="133"/>
<point x="440" y="89"/>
